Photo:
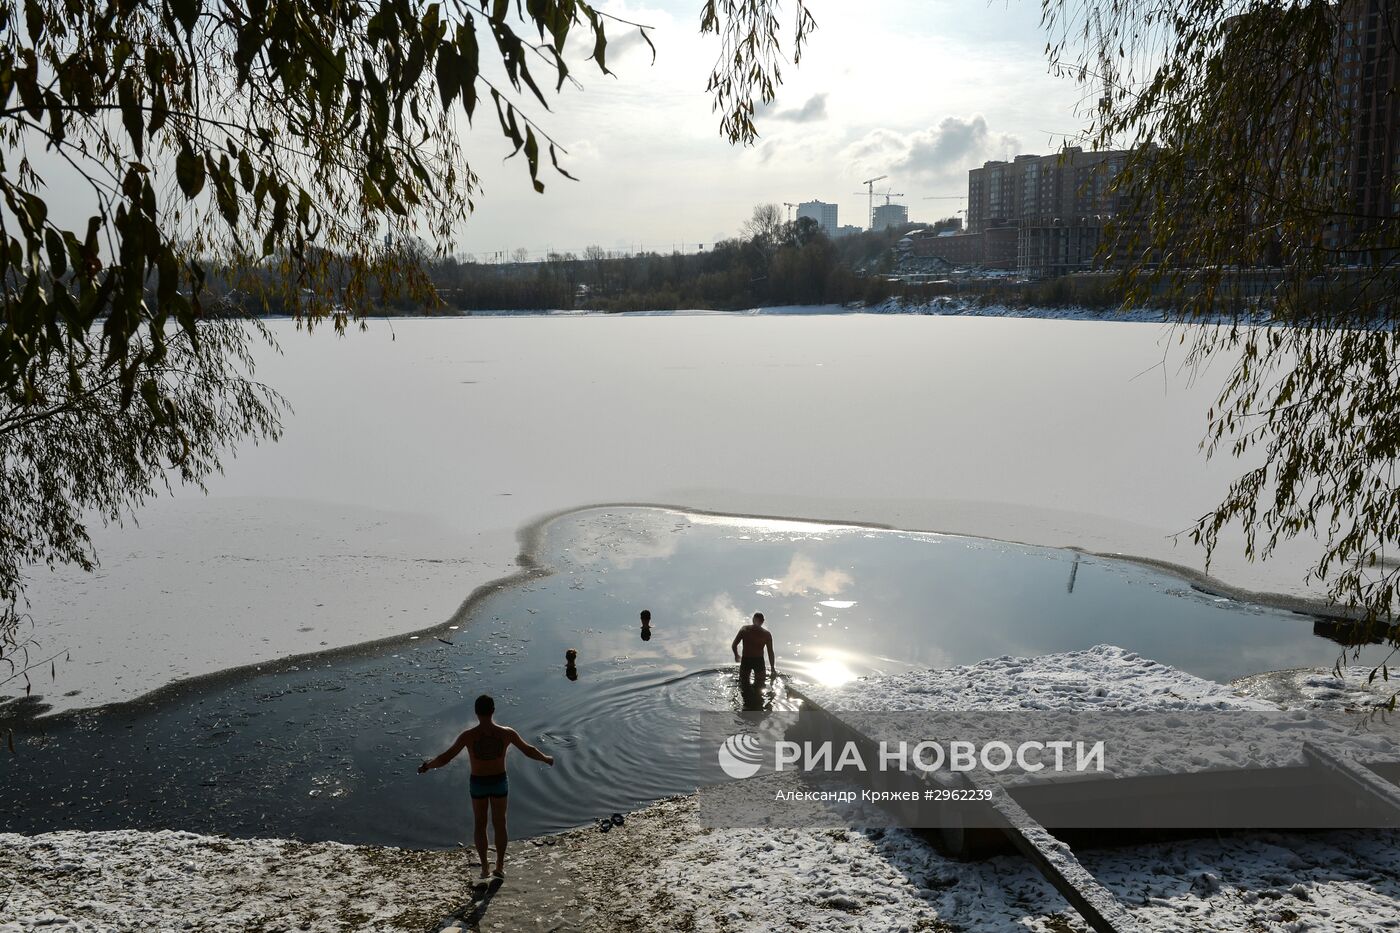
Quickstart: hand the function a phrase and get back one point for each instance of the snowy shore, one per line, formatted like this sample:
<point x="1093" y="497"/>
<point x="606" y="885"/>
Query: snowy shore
<point x="142" y="882"/>
<point x="1215" y="732"/>
<point x="1352" y="689"/>
<point x="663" y="870"/>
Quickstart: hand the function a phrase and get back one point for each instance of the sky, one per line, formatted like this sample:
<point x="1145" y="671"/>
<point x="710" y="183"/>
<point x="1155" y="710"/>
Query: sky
<point x="919" y="90"/>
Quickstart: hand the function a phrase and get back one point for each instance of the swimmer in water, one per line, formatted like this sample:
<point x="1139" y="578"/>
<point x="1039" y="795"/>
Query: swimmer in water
<point x="754" y="638"/>
<point x="571" y="664"/>
<point x="487" y="743"/>
<point x="646" y="625"/>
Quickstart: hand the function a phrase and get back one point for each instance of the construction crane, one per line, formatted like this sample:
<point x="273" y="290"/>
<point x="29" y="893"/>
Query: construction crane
<point x="948" y="197"/>
<point x="789" y="205"/>
<point x="884" y="194"/>
<point x="1105" y="66"/>
<point x="870" y="190"/>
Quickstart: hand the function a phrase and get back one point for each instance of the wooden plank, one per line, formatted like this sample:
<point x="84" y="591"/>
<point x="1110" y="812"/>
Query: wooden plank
<point x="1355" y="777"/>
<point x="1056" y="861"/>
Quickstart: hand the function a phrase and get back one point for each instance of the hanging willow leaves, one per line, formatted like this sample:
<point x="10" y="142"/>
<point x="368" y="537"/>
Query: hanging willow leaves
<point x="1263" y="187"/>
<point x="748" y="68"/>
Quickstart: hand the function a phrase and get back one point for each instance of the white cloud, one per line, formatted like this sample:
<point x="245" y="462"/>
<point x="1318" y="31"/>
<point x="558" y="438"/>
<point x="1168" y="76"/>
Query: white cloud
<point x="628" y="44"/>
<point x="947" y="149"/>
<point x="810" y="112"/>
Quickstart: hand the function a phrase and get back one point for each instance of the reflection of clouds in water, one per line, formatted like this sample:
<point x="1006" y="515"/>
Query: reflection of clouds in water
<point x="721" y="610"/>
<point x="804" y="576"/>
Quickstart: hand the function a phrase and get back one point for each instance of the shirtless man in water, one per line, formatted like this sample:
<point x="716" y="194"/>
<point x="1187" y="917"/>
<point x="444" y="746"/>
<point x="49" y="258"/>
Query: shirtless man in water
<point x="486" y="744"/>
<point x="754" y="638"/>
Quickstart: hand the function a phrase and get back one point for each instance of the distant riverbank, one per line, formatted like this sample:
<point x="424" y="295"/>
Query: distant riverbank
<point x="941" y="307"/>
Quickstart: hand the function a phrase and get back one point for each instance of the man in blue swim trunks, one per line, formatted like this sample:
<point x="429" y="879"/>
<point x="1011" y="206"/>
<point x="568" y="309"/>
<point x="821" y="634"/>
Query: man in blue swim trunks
<point x="486" y="744"/>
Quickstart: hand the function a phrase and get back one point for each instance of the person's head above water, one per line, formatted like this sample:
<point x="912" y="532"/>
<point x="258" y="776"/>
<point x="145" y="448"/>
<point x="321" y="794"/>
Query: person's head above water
<point x="571" y="656"/>
<point x="646" y="616"/>
<point x="758" y="618"/>
<point x="485" y="706"/>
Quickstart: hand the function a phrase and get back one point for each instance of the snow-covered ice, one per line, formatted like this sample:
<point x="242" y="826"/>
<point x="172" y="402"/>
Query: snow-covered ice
<point x="439" y="439"/>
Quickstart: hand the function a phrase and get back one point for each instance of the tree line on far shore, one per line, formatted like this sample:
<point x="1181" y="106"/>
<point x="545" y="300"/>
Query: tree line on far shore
<point x="773" y="262"/>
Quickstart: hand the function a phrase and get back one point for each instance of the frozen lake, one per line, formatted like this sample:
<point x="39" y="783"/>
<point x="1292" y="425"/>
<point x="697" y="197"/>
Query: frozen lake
<point x="326" y="749"/>
<point x="417" y="452"/>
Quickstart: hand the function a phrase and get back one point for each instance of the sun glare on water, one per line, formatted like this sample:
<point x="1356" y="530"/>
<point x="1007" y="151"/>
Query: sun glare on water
<point x="829" y="672"/>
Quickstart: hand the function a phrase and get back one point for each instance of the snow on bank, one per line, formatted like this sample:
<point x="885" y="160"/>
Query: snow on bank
<point x="838" y="880"/>
<point x="1070" y="687"/>
<point x="687" y="877"/>
<point x="1104" y="677"/>
<point x="138" y="882"/>
<point x="1314" y="688"/>
<point x="1336" y="882"/>
<point x="662" y="871"/>
<point x="952" y="306"/>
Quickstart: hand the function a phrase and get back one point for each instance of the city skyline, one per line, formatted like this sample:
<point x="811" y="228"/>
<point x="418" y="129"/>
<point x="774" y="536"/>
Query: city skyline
<point x="955" y="83"/>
